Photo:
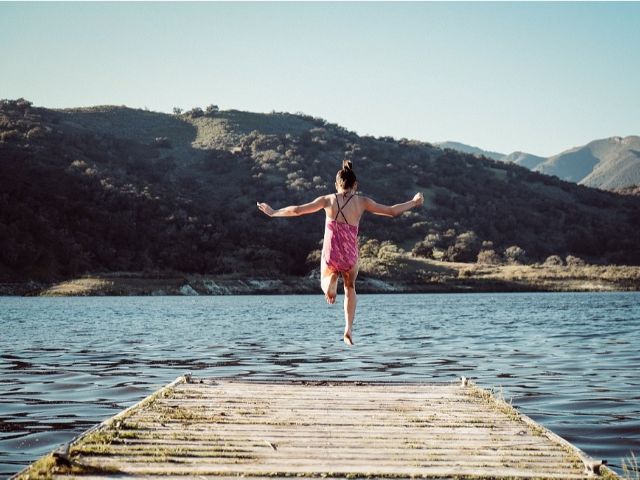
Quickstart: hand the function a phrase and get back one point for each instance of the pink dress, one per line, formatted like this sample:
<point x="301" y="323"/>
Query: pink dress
<point x="340" y="245"/>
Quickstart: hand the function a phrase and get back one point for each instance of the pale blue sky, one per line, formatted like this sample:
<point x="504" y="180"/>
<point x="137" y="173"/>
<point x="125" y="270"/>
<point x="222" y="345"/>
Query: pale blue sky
<point x="538" y="77"/>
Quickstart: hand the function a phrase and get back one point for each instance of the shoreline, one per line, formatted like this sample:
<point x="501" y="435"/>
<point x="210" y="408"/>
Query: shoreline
<point x="434" y="277"/>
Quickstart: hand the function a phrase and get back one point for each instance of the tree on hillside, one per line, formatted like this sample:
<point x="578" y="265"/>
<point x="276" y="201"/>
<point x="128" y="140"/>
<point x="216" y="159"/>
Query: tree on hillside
<point x="553" y="261"/>
<point x="489" y="257"/>
<point x="515" y="255"/>
<point x="196" y="112"/>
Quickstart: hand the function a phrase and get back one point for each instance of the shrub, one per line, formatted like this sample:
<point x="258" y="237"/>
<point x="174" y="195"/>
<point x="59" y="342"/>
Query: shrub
<point x="314" y="256"/>
<point x="195" y="112"/>
<point x="10" y="136"/>
<point x="177" y="110"/>
<point x="36" y="132"/>
<point x="489" y="257"/>
<point x="211" y="109"/>
<point x="553" y="261"/>
<point x="388" y="250"/>
<point x="432" y="241"/>
<point x="487" y="245"/>
<point x="574" y="261"/>
<point x="422" y="249"/>
<point x="466" y="246"/>
<point x="370" y="248"/>
<point x="515" y="255"/>
<point x="452" y="254"/>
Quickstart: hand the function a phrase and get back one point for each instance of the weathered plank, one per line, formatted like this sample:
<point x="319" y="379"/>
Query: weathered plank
<point x="229" y="428"/>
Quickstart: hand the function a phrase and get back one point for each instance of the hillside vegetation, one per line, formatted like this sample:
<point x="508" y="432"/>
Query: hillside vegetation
<point x="107" y="189"/>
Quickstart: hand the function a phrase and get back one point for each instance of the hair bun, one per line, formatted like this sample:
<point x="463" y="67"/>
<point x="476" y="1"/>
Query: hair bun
<point x="347" y="165"/>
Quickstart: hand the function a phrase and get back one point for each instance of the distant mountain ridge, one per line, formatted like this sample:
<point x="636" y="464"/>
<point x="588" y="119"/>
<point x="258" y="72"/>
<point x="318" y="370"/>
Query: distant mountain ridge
<point x="461" y="147"/>
<point x="610" y="163"/>
<point x="523" y="159"/>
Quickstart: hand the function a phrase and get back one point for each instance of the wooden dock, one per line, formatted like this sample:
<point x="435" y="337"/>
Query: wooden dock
<point x="229" y="428"/>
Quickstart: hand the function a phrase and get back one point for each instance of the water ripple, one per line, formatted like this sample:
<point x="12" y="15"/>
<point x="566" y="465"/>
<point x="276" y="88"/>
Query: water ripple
<point x="570" y="361"/>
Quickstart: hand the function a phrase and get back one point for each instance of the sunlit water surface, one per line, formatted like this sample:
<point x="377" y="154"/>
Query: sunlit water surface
<point x="570" y="361"/>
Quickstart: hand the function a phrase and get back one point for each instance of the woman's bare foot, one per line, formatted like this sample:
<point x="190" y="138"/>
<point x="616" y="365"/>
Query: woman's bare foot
<point x="332" y="290"/>
<point x="347" y="339"/>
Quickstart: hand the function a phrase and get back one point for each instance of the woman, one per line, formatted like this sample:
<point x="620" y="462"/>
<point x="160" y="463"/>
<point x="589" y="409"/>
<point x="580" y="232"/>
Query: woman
<point x="340" y="246"/>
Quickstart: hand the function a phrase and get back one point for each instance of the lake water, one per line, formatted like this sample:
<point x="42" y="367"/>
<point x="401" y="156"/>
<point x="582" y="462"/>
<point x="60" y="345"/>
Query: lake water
<point x="569" y="360"/>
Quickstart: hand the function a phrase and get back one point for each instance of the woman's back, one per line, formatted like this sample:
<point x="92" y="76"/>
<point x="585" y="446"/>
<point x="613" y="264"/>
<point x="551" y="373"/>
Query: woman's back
<point x="345" y="208"/>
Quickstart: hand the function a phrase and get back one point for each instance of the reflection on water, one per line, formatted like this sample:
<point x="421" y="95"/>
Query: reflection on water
<point x="570" y="361"/>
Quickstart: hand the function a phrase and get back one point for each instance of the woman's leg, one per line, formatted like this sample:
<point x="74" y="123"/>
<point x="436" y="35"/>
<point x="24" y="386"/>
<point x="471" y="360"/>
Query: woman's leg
<point x="350" y="302"/>
<point x="328" y="283"/>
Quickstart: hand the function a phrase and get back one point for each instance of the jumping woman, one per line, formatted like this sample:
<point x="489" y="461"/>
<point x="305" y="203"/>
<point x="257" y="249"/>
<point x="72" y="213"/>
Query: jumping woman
<point x="343" y="210"/>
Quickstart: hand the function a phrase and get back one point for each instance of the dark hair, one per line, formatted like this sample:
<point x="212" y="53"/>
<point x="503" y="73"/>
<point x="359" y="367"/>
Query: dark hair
<point x="346" y="178"/>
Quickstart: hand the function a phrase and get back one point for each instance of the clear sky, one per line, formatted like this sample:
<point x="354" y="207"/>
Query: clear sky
<point x="537" y="77"/>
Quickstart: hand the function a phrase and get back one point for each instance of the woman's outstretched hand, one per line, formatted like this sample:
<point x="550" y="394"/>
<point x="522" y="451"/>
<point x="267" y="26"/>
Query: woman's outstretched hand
<point x="264" y="208"/>
<point x="418" y="198"/>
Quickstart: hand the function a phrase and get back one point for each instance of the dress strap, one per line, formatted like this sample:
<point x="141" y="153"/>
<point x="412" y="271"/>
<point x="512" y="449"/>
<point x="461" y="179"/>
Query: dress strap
<point x="340" y="212"/>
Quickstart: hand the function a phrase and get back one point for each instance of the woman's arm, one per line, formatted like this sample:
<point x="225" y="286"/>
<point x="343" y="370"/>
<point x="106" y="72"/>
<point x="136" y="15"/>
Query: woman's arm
<point x="294" y="210"/>
<point x="392" y="210"/>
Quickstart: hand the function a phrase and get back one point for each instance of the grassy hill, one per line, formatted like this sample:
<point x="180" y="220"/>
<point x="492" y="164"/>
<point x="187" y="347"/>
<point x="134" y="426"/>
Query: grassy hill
<point x="108" y="189"/>
<point x="610" y="163"/>
<point x="478" y="152"/>
<point x="523" y="159"/>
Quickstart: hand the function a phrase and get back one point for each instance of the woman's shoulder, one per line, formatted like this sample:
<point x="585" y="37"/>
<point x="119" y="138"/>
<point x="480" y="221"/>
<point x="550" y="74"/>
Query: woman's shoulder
<point x="362" y="197"/>
<point x="325" y="197"/>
